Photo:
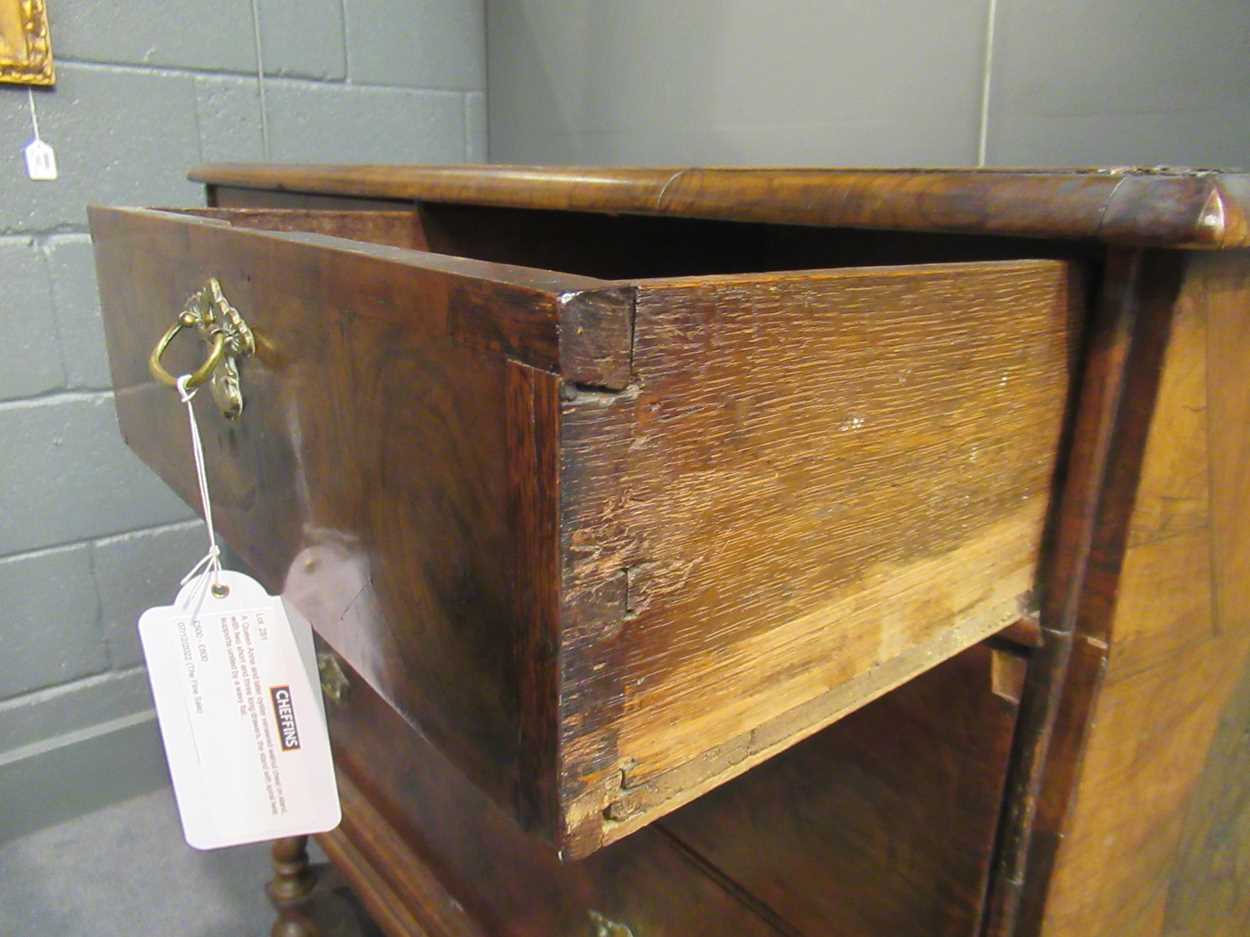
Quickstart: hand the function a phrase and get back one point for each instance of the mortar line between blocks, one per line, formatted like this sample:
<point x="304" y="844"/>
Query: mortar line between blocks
<point x="100" y="539"/>
<point x="54" y="397"/>
<point x="297" y="80"/>
<point x="50" y="693"/>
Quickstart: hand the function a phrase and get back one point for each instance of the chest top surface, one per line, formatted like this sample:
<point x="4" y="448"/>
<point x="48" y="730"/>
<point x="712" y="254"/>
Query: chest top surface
<point x="1153" y="207"/>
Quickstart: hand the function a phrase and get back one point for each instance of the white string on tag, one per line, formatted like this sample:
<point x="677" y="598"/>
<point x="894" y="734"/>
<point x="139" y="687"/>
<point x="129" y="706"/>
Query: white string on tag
<point x="210" y="564"/>
<point x="34" y="117"/>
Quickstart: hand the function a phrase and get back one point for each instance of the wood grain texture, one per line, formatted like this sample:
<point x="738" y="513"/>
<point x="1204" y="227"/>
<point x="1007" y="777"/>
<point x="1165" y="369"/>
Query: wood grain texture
<point x="370" y="478"/>
<point x="231" y="197"/>
<point x="593" y="322"/>
<point x="533" y="415"/>
<point x="1126" y="338"/>
<point x="697" y="537"/>
<point x="1139" y="830"/>
<point x="820" y="485"/>
<point x="682" y="524"/>
<point x="881" y="824"/>
<point x="1025" y="632"/>
<point x="404" y="896"/>
<point x="514" y="311"/>
<point x="1207" y="892"/>
<point x="418" y="843"/>
<point x="395" y="228"/>
<point x="1145" y="207"/>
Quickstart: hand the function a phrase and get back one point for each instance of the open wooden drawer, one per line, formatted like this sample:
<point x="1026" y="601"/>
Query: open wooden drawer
<point x="607" y="543"/>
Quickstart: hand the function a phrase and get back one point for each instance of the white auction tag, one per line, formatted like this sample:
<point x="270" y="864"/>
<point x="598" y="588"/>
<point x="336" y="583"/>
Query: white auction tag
<point x="240" y="709"/>
<point x="40" y="161"/>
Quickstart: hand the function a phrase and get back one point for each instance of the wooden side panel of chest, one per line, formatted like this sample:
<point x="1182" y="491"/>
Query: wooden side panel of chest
<point x="1144" y="822"/>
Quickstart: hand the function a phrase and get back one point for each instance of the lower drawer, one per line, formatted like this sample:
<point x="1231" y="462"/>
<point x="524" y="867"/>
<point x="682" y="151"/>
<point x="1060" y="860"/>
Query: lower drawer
<point x="425" y="850"/>
<point x="883" y="824"/>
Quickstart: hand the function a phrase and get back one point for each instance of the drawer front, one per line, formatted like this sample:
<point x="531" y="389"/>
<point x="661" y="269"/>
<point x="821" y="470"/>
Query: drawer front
<point x="882" y="824"/>
<point x="368" y="478"/>
<point x="462" y="868"/>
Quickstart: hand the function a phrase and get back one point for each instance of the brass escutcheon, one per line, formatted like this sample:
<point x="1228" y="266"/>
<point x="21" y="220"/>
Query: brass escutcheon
<point x="229" y="338"/>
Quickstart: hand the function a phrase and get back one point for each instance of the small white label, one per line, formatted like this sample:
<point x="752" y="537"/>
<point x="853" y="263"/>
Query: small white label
<point x="40" y="161"/>
<point x="239" y="704"/>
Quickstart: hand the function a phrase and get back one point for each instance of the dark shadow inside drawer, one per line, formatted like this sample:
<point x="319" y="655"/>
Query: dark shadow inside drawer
<point x="613" y="247"/>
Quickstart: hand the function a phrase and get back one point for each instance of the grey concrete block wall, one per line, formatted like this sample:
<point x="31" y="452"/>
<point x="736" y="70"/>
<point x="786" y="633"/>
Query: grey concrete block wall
<point x="364" y="124"/>
<point x="89" y="537"/>
<point x="836" y="82"/>
<point x="27" y="325"/>
<point x="132" y="569"/>
<point x="214" y="36"/>
<point x="36" y="719"/>
<point x="71" y="268"/>
<point x="1121" y="81"/>
<point x="475" y="124"/>
<point x="303" y="38"/>
<point x="67" y="475"/>
<point x="49" y="632"/>
<point x="734" y="81"/>
<point x="229" y="114"/>
<point x="122" y="135"/>
<point x="448" y="38"/>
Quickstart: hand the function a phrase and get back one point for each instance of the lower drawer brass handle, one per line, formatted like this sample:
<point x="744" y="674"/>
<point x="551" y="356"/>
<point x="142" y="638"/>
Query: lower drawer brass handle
<point x="229" y="338"/>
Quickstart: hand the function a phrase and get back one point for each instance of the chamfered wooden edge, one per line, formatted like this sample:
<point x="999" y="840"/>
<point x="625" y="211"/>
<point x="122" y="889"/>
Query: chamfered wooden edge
<point x="533" y="417"/>
<point x="1175" y="208"/>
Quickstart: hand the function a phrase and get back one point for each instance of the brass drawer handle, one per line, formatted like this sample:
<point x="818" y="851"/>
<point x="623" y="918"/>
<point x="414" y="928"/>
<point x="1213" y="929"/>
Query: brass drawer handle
<point x="228" y="336"/>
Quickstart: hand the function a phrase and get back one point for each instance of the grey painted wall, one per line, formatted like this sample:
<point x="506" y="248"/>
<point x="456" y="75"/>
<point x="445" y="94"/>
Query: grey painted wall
<point x="891" y="83"/>
<point x="88" y="536"/>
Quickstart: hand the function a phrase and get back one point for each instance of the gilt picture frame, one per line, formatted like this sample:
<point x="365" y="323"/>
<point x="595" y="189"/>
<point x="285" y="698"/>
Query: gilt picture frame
<point x="25" y="43"/>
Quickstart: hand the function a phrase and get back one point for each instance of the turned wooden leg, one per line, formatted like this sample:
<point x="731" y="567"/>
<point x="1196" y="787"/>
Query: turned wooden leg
<point x="293" y="883"/>
<point x="312" y="900"/>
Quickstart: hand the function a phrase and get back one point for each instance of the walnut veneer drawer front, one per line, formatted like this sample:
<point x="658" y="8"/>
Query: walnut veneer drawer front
<point x="608" y="543"/>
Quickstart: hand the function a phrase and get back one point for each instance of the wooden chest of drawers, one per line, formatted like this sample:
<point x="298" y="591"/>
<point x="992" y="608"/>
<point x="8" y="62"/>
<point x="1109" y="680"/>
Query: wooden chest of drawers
<point x="604" y="487"/>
